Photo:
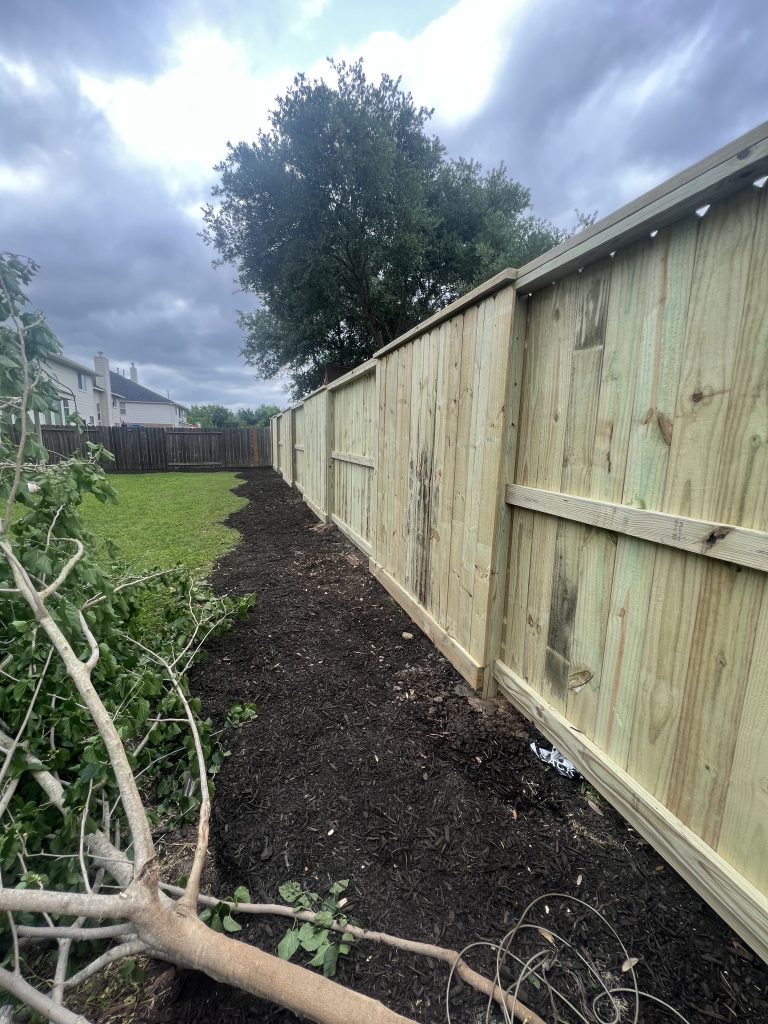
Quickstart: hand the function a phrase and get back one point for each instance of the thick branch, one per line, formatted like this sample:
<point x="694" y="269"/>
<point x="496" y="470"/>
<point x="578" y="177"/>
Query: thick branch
<point x="22" y="990"/>
<point x="187" y="940"/>
<point x="447" y="956"/>
<point x="80" y="674"/>
<point x="110" y="931"/>
<point x="70" y="904"/>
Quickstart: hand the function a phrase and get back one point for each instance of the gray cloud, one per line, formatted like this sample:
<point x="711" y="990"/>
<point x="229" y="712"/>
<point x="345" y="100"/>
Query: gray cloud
<point x="109" y="35"/>
<point x="123" y="268"/>
<point x="574" y="113"/>
<point x="567" y="114"/>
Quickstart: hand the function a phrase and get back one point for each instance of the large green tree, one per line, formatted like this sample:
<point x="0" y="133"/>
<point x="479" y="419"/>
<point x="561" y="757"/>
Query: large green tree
<point x="351" y="224"/>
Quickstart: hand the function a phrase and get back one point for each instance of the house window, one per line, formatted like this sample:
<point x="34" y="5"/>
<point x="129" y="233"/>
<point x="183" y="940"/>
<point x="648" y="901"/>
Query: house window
<point x="114" y="403"/>
<point x="64" y="409"/>
<point x="122" y="408"/>
<point x="90" y="421"/>
<point x="81" y="380"/>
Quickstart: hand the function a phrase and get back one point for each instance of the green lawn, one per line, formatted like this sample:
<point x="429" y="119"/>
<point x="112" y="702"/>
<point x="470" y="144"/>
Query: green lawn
<point x="162" y="519"/>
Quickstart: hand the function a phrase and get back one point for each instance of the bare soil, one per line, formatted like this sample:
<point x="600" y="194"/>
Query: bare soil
<point x="370" y="760"/>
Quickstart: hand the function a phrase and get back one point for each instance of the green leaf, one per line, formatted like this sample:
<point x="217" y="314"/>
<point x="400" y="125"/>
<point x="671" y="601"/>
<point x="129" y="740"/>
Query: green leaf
<point x="330" y="960"/>
<point x="314" y="941"/>
<point x="242" y="895"/>
<point x="324" y="919"/>
<point x="319" y="957"/>
<point x="230" y="924"/>
<point x="288" y="945"/>
<point x="290" y="891"/>
<point x="338" y="887"/>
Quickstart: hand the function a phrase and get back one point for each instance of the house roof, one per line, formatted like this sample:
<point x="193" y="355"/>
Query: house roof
<point x="64" y="361"/>
<point x="124" y="387"/>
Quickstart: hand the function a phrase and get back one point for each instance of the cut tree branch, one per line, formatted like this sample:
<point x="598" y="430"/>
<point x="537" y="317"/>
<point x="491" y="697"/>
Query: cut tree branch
<point x="36" y="1000"/>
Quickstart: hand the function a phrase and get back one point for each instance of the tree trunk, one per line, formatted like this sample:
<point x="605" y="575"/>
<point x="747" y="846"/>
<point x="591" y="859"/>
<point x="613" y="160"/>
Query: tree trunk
<point x="187" y="941"/>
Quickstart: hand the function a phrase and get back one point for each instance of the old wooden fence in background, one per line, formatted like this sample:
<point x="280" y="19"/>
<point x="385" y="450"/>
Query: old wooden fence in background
<point x="152" y="449"/>
<point x="563" y="478"/>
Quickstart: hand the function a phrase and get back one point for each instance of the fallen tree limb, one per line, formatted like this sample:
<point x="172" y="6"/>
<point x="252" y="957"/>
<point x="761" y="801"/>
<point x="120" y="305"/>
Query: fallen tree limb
<point x="448" y="956"/>
<point x="36" y="1000"/>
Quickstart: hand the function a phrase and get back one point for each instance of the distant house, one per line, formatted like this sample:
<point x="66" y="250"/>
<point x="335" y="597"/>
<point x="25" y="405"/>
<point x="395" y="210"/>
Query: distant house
<point x="78" y="389"/>
<point x="104" y="397"/>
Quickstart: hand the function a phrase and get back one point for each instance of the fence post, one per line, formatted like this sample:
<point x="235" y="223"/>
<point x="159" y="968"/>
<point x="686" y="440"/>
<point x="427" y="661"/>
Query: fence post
<point x="288" y="446"/>
<point x="511" y="365"/>
<point x="328" y="459"/>
<point x="377" y="399"/>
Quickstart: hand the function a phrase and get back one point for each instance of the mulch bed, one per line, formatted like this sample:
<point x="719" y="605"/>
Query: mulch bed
<point x="369" y="761"/>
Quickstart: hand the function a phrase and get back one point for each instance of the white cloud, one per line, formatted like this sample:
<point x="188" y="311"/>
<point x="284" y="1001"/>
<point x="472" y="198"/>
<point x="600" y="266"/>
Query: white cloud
<point x="22" y="72"/>
<point x="21" y="180"/>
<point x="182" y="120"/>
<point x="452" y="63"/>
<point x="210" y="93"/>
<point x="311" y="10"/>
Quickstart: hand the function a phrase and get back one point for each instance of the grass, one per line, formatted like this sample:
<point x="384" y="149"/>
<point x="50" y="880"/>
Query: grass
<point x="163" y="519"/>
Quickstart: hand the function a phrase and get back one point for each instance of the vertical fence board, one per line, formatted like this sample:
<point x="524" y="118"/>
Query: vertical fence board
<point x="640" y="381"/>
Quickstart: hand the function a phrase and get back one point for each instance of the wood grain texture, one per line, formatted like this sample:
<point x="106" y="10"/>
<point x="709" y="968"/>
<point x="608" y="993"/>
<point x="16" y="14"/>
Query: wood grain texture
<point x="721" y="541"/>
<point x="357" y="460"/>
<point x="728" y="892"/>
<point x="577" y="479"/>
<point x="743" y="839"/>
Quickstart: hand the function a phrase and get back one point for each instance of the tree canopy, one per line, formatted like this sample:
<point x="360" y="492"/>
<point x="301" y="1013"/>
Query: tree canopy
<point x="351" y="224"/>
<point x="219" y="416"/>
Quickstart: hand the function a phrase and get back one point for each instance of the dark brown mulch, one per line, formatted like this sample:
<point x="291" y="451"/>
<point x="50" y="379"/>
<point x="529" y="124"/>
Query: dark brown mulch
<point x="369" y="762"/>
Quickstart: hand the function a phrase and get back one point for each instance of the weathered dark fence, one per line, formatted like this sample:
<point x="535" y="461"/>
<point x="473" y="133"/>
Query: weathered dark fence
<point x="153" y="449"/>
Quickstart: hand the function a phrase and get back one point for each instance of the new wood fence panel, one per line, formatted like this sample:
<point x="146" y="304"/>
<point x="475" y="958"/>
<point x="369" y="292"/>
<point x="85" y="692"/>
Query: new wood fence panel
<point x="568" y="484"/>
<point x="645" y="386"/>
<point x="439" y="456"/>
<point x="299" y="464"/>
<point x="353" y="452"/>
<point x="314" y="469"/>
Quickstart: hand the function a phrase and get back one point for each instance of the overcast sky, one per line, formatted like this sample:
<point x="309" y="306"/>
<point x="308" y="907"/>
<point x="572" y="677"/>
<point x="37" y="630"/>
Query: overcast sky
<point x="113" y="113"/>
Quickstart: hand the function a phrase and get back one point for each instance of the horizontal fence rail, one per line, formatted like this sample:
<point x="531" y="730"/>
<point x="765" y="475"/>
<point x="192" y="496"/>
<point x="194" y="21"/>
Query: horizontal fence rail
<point x="156" y="449"/>
<point x="563" y="479"/>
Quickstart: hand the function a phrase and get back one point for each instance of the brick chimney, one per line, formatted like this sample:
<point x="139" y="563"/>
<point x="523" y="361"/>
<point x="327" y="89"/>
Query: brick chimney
<point x="134" y="373"/>
<point x="103" y="380"/>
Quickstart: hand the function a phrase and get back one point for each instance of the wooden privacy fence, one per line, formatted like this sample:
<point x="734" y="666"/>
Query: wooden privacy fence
<point x="563" y="479"/>
<point x="153" y="449"/>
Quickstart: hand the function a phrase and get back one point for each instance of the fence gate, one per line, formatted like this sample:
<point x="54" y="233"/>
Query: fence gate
<point x="198" y="448"/>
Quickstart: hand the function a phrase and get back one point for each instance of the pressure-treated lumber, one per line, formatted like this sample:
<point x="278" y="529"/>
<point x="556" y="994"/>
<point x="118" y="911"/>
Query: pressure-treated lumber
<point x="357" y="460"/>
<point x="367" y="367"/>
<point x="319" y="512"/>
<point x="726" y="171"/>
<point x="461" y="660"/>
<point x="737" y="902"/>
<point x="350" y="534"/>
<point x="723" y="541"/>
<point x="494" y="284"/>
<point x="573" y="479"/>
